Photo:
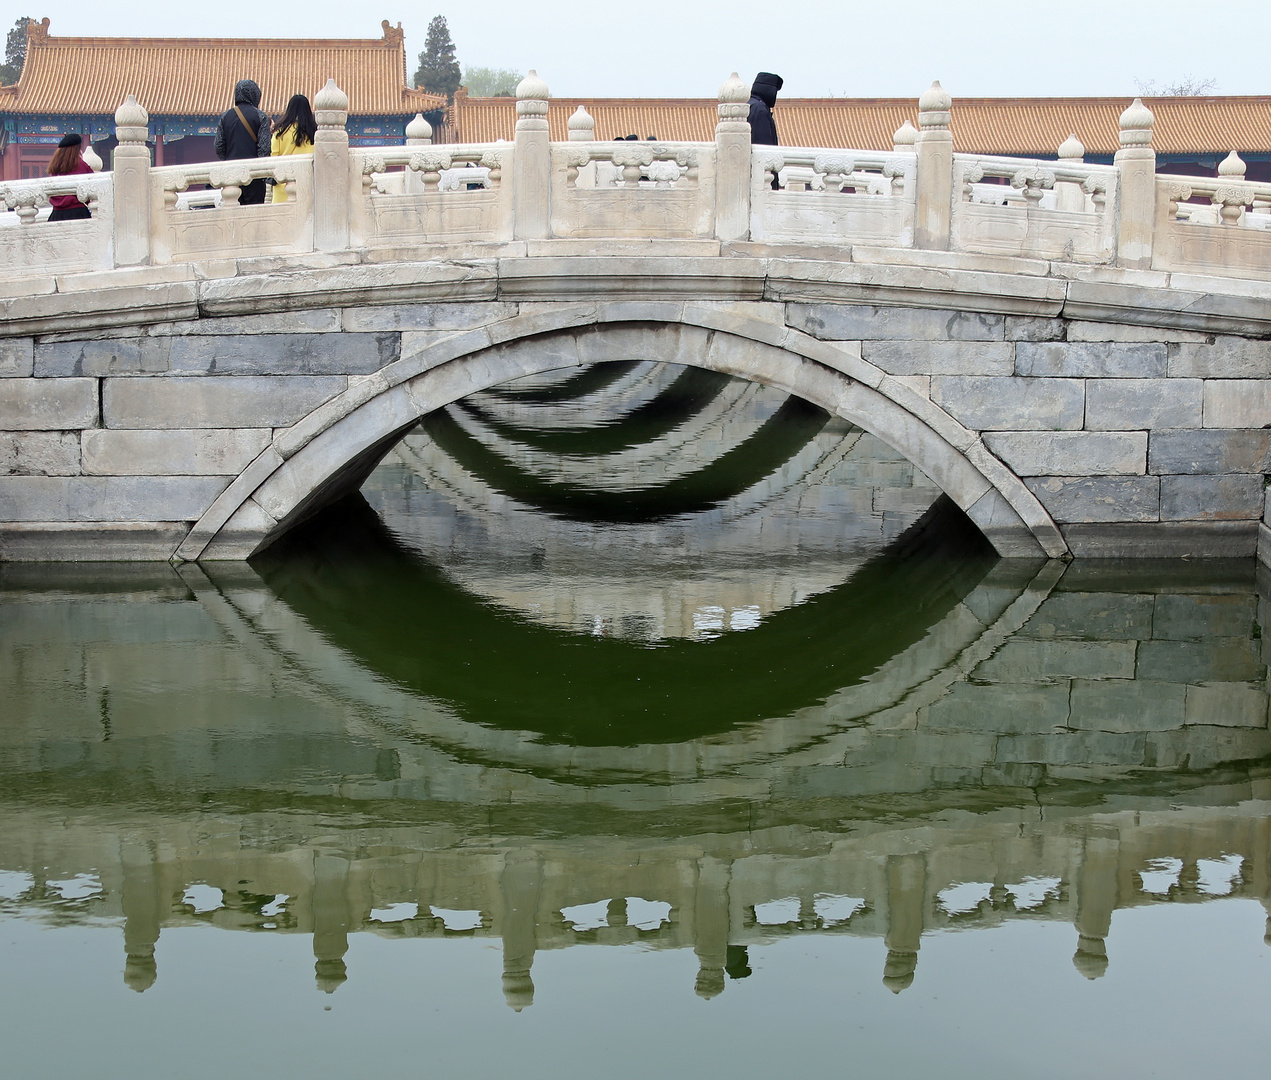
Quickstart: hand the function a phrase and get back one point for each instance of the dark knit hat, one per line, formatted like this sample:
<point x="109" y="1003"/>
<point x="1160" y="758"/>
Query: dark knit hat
<point x="69" y="140"/>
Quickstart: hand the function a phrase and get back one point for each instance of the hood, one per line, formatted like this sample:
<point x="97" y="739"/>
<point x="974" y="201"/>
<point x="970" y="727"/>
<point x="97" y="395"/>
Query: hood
<point x="765" y="87"/>
<point x="246" y="92"/>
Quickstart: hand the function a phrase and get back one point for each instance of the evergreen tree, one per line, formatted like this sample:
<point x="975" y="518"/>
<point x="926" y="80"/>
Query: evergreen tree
<point x="14" y="53"/>
<point x="438" y="69"/>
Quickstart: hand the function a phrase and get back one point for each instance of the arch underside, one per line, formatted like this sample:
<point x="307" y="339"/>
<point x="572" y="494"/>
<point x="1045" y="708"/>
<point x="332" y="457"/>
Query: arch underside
<point x="332" y="450"/>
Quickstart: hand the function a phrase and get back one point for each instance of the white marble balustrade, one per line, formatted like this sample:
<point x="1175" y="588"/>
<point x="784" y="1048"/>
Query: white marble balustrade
<point x="918" y="194"/>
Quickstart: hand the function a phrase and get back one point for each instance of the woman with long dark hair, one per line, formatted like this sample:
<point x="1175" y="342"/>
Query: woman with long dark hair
<point x="293" y="135"/>
<point x="68" y="162"/>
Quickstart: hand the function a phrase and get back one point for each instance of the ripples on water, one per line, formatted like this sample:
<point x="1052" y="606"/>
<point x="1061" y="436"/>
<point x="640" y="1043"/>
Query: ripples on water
<point x="647" y="658"/>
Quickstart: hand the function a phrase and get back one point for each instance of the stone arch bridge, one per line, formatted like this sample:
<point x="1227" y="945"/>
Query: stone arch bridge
<point x="1075" y="354"/>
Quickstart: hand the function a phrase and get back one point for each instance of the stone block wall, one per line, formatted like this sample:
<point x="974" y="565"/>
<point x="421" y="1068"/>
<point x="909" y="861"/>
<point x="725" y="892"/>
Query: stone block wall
<point x="1137" y="440"/>
<point x="113" y="446"/>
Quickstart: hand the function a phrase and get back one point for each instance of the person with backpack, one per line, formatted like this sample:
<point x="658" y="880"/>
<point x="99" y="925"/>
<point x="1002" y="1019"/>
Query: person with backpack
<point x="244" y="132"/>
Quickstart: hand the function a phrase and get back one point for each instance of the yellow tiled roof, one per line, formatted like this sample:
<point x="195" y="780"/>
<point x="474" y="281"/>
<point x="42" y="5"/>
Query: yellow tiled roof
<point x="1021" y="126"/>
<point x="196" y="76"/>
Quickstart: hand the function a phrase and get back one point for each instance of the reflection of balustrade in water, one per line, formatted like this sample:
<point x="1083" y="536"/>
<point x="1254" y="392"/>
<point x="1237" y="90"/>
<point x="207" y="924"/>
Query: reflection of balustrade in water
<point x="950" y="789"/>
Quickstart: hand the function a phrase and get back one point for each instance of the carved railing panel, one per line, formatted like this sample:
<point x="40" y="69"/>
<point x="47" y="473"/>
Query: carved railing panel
<point x="632" y="189"/>
<point x="1213" y="225"/>
<point x="1034" y="209"/>
<point x="432" y="194"/>
<point x="189" y="224"/>
<point x="832" y="196"/>
<point x="30" y="242"/>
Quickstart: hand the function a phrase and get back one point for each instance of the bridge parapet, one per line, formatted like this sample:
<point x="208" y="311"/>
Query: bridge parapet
<point x="918" y="194"/>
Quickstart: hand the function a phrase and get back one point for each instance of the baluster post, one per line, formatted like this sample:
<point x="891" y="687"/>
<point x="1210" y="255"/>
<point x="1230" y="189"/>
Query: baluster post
<point x="1068" y="193"/>
<point x="130" y="165"/>
<point x="532" y="161"/>
<point x="331" y="201"/>
<point x="934" y="212"/>
<point x="732" y="162"/>
<point x="1136" y="201"/>
<point x="418" y="133"/>
<point x="582" y="126"/>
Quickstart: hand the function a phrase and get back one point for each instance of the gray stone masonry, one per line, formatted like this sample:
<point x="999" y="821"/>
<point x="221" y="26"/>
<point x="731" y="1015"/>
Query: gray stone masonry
<point x="940" y="357"/>
<point x="1012" y="404"/>
<point x="1210" y="451"/>
<point x="16" y="357"/>
<point x="1133" y="439"/>
<point x="1236" y="403"/>
<point x="1052" y="453"/>
<point x="1235" y="497"/>
<point x="247" y="354"/>
<point x="201" y="402"/>
<point x="1099" y="498"/>
<point x="1142" y="404"/>
<point x="1222" y="357"/>
<point x="47" y="404"/>
<point x="122" y="452"/>
<point x="107" y="498"/>
<point x="39" y="453"/>
<point x="1090" y="359"/>
<point x="865" y="322"/>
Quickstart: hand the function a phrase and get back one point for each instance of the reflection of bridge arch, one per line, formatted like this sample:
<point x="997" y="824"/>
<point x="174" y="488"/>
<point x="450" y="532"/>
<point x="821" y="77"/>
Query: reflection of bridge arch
<point x="335" y="447"/>
<point x="533" y="768"/>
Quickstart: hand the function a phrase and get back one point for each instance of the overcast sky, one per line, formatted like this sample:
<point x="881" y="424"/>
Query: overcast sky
<point x="611" y="48"/>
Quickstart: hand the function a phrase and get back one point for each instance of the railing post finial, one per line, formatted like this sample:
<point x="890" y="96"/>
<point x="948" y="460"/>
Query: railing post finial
<point x="904" y="138"/>
<point x="582" y="126"/>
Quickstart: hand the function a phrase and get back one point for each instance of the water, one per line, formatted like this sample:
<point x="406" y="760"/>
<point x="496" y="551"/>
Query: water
<point x="638" y="722"/>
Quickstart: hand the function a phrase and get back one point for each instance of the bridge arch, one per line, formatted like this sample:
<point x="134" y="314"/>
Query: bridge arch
<point x="331" y="450"/>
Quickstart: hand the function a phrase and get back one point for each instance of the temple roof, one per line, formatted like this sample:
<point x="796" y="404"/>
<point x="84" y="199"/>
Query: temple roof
<point x="196" y="76"/>
<point x="1014" y="126"/>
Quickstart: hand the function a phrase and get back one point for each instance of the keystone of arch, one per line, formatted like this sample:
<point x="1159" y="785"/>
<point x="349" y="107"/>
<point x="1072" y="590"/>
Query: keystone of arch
<point x="349" y="433"/>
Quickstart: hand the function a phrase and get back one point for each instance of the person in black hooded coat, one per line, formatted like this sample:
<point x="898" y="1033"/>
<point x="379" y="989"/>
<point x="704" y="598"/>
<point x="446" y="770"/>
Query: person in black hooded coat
<point x="244" y="132"/>
<point x="763" y="96"/>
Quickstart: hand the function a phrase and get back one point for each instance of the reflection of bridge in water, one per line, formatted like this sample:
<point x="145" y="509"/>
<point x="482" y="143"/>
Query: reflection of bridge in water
<point x="776" y="502"/>
<point x="1057" y="746"/>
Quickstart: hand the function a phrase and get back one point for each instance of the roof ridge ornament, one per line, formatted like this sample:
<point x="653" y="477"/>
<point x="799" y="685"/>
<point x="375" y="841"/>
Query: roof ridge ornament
<point x="393" y="35"/>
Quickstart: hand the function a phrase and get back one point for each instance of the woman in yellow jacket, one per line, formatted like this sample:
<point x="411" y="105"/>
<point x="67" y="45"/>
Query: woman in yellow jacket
<point x="293" y="135"/>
